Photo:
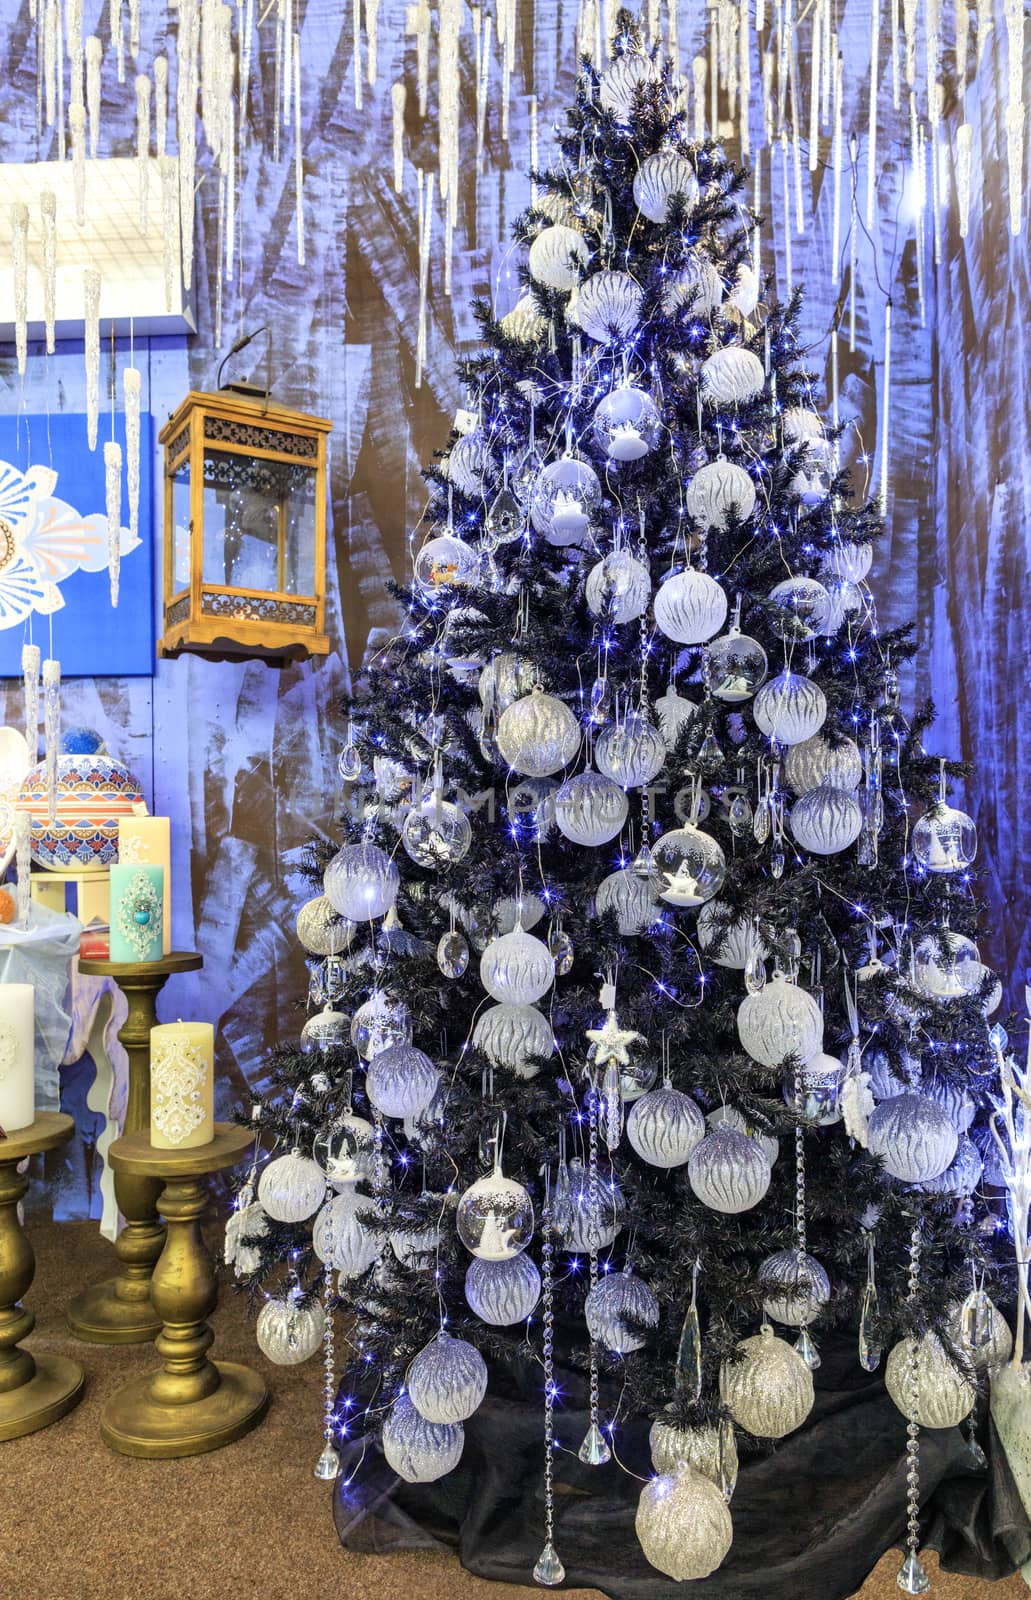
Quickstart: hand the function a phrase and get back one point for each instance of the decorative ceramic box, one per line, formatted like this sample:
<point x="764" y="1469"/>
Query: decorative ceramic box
<point x="93" y="791"/>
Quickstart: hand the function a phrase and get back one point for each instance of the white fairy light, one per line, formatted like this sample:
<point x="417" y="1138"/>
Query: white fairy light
<point x="896" y="81"/>
<point x="48" y="227"/>
<point x="853" y="236"/>
<point x="91" y="299"/>
<point x="113" y="501"/>
<point x="23" y="861"/>
<point x="909" y="10"/>
<point x="786" y="174"/>
<point x="796" y="167"/>
<point x="143" y="145"/>
<point x="246" y="36"/>
<point x="20" y="269"/>
<point x="134" y="29"/>
<point x="673" y="36"/>
<point x="398" y="95"/>
<point x="131" y="399"/>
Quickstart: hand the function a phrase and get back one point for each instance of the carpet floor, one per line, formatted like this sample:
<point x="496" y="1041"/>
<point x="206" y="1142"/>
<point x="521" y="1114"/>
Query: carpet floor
<point x="78" y="1522"/>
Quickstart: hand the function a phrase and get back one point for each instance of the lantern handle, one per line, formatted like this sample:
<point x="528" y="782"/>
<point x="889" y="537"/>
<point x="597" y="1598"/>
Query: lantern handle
<point x="241" y="344"/>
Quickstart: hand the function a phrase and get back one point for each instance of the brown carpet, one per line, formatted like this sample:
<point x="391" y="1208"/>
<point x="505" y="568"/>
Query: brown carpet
<point x="78" y="1522"/>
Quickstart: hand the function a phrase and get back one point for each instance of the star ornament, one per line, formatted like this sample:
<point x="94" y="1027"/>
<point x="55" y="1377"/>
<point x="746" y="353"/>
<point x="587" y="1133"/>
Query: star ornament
<point x="611" y="1043"/>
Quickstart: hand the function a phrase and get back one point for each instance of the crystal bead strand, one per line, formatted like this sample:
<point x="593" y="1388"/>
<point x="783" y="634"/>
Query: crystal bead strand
<point x="804" y="1344"/>
<point x="912" y="1578"/>
<point x="594" y="1451"/>
<point x="327" y="1467"/>
<point x="549" y="1570"/>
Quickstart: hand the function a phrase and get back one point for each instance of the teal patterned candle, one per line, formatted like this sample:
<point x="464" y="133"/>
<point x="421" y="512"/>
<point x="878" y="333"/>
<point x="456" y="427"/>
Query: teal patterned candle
<point x="137" y="901"/>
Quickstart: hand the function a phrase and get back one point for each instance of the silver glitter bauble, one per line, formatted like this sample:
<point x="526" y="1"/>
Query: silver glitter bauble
<point x="379" y="1022"/>
<point x="524" y="322"/>
<point x="558" y="255"/>
<point x="800" y="608"/>
<point x="794" y="1286"/>
<point x="683" y="1525"/>
<point x="341" y="1241"/>
<point x="565" y="494"/>
<point x="710" y="1451"/>
<point x="516" y="1037"/>
<point x="675" y="713"/>
<point x="661" y="177"/>
<point x="946" y="965"/>
<point x="420" y="1451"/>
<point x="728" y="1171"/>
<point x="626" y="426"/>
<point x="884" y="1081"/>
<point x="826" y="821"/>
<point x="696" y="284"/>
<point x="737" y="666"/>
<point x="517" y="969"/>
<point x="401" y="1081"/>
<point x="954" y="1101"/>
<point x="344" y="1150"/>
<point x="944" y="839"/>
<point x="617" y="1302"/>
<point x="495" y="1218"/>
<point x="326" y="1030"/>
<point x="790" y="708"/>
<point x="737" y="1120"/>
<point x="288" y="1333"/>
<point x="361" y="882"/>
<point x="631" y="897"/>
<point x="816" y="761"/>
<point x="608" y="306"/>
<point x="447" y="1379"/>
<point x="446" y="562"/>
<point x="436" y="833"/>
<point x="689" y="866"/>
<point x="940" y="1396"/>
<point x="320" y="930"/>
<point x="620" y="82"/>
<point x="717" y="491"/>
<point x="915" y="1138"/>
<point x="618" y="587"/>
<point x="631" y="752"/>
<point x="690" y="607"/>
<point x="769" y="1390"/>
<point x="664" y="1127"/>
<point x="292" y="1187"/>
<point x="964" y="1174"/>
<point x="590" y="809"/>
<point x="781" y="1020"/>
<point x="731" y="376"/>
<point x="503" y="1293"/>
<point x="728" y="940"/>
<point x="505" y="678"/>
<point x="538" y="735"/>
<point x="592" y="1226"/>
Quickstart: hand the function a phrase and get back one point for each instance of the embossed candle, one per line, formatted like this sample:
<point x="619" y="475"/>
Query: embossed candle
<point x="137" y="898"/>
<point x="147" y="840"/>
<point x="182" y="1085"/>
<point x="17" y="1056"/>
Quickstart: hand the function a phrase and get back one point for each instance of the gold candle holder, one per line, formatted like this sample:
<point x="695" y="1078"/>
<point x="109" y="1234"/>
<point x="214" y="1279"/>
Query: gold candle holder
<point x="34" y="1390"/>
<point x="118" y="1311"/>
<point x="191" y="1405"/>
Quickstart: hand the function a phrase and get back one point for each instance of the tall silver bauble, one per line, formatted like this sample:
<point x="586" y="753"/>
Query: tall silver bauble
<point x="728" y="1171"/>
<point x="664" y="1127"/>
<point x="716" y="491"/>
<point x="361" y="882"/>
<point x="292" y="1187"/>
<point x="944" y="1396"/>
<point x="467" y="464"/>
<point x="683" y="1525"/>
<point x="732" y="376"/>
<point x="447" y="1379"/>
<point x="608" y="307"/>
<point x="690" y="607"/>
<point x="769" y="1389"/>
<point x="502" y="1293"/>
<point x="590" y="809"/>
<point x="659" y="178"/>
<point x="710" y="1451"/>
<point x="915" y="1138"/>
<point x="675" y="712"/>
<point x="790" y="708"/>
<point x="631" y="897"/>
<point x="795" y="1287"/>
<point x="558" y="255"/>
<point x="826" y="821"/>
<point x="816" y="761"/>
<point x="420" y="1451"/>
<point x="689" y="866"/>
<point x="401" y="1081"/>
<point x="320" y="930"/>
<point x="618" y="587"/>
<point x="696" y="284"/>
<point x="341" y="1241"/>
<point x="631" y="752"/>
<point x="617" y="1301"/>
<point x="517" y="968"/>
<point x="781" y="1020"/>
<point x="287" y="1332"/>
<point x="538" y="735"/>
<point x="516" y="1037"/>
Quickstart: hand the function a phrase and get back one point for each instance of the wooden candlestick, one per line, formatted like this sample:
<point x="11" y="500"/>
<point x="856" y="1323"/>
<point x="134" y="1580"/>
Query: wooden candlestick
<point x="191" y="1405"/>
<point x="119" y="1311"/>
<point x="34" y="1390"/>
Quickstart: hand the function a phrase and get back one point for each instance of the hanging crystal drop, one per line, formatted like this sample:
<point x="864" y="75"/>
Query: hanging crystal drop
<point x="549" y="1569"/>
<point x="870" y="1348"/>
<point x="327" y="1467"/>
<point x="761" y="821"/>
<point x="710" y="755"/>
<point x="30" y="659"/>
<point x="561" y="947"/>
<point x="755" y="967"/>
<point x="452" y="954"/>
<point x="594" y="1452"/>
<point x="526" y="475"/>
<point x="612" y="1100"/>
<point x="728" y="1459"/>
<point x="643" y="864"/>
<point x="601" y="700"/>
<point x="349" y="763"/>
<point x="777" y="864"/>
<point x="912" y="1577"/>
<point x="976" y="1319"/>
<point x="688" y="1378"/>
<point x="739" y="816"/>
<point x="806" y="1347"/>
<point x="975" y="1455"/>
<point x="504" y="519"/>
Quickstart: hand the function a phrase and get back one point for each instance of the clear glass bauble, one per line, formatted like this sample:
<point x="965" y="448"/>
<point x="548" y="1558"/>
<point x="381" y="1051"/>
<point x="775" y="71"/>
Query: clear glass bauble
<point x="664" y="1127"/>
<point x="417" y="1450"/>
<point x="690" y="607"/>
<point x="820" y="1083"/>
<point x="592" y="1226"/>
<point x="728" y="1171"/>
<point x="769" y="1389"/>
<point x="632" y="898"/>
<point x="618" y="1304"/>
<point x="436" y="833"/>
<point x="378" y="1023"/>
<point x="627" y="424"/>
<point x="618" y="588"/>
<point x="517" y="968"/>
<point x="524" y="910"/>
<point x="696" y="284"/>
<point x="844" y="600"/>
<point x="816" y="761"/>
<point x="590" y="809"/>
<point x="799" y="608"/>
<point x="447" y="1380"/>
<point x="401" y="1081"/>
<point x="326" y="1030"/>
<point x="779" y="1021"/>
<point x="607" y="306"/>
<point x="689" y="866"/>
<point x="946" y="965"/>
<point x="737" y="667"/>
<point x="453" y="954"/>
<point x="790" y="708"/>
<point x="361" y="881"/>
<point x="502" y="1293"/>
<point x="320" y="930"/>
<point x="719" y="489"/>
<point x="637" y="1078"/>
<point x="288" y="1333"/>
<point x="944" y="839"/>
<point x="291" y="1187"/>
<point x="495" y="1218"/>
<point x="826" y="820"/>
<point x="538" y="735"/>
<point x="531" y="804"/>
<point x="914" y="1137"/>
<point x="344" y="1150"/>
<point x="506" y="678"/>
<point x="848" y="563"/>
<point x="514" y="1037"/>
<point x="565" y="497"/>
<point x="446" y="562"/>
<point x="631" y="752"/>
<point x="561" y="947"/>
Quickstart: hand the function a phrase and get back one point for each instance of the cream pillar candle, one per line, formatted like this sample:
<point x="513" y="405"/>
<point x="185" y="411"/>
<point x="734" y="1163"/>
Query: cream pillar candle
<point x="147" y="839"/>
<point x="17" y="1056"/>
<point x="182" y="1085"/>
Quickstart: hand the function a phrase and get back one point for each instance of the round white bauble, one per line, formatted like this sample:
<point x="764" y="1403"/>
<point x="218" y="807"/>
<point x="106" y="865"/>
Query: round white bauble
<point x="664" y="1127"/>
<point x="816" y="761"/>
<point x="946" y="965"/>
<point x="915" y="1138"/>
<point x="674" y="712"/>
<point x="401" y="1081"/>
<point x="737" y="666"/>
<point x="739" y="1122"/>
<point x="843" y="600"/>
<point x="447" y="1380"/>
<point x="420" y="1451"/>
<point x="620" y="82"/>
<point x="288" y="1333"/>
<point x="781" y="1020"/>
<point x="618" y="587"/>
<point x="631" y="897"/>
<point x="514" y="1037"/>
<point x="659" y="178"/>
<point x="608" y="307"/>
<point x="794" y="1286"/>
<point x="517" y="968"/>
<point x="964" y="1174"/>
<point x="320" y="930"/>
<point x="436" y="833"/>
<point x="361" y="881"/>
<point x="563" y="497"/>
<point x="696" y="284"/>
<point x="590" y="809"/>
<point x="379" y="1022"/>
<point x="849" y="563"/>
<point x="769" y="1391"/>
<point x="524" y="322"/>
<point x="801" y="606"/>
<point x="292" y="1187"/>
<point x="940" y="1397"/>
<point x="446" y="561"/>
<point x="826" y="820"/>
<point x="728" y="1171"/>
<point x="726" y="939"/>
<point x="538" y="735"/>
<point x="732" y="376"/>
<point x="502" y="1293"/>
<point x="340" y="1240"/>
<point x="558" y="255"/>
<point x="467" y="465"/>
<point x="495" y="1218"/>
<point x="717" y="490"/>
<point x="710" y="1451"/>
<point x="801" y="426"/>
<point x="619" y="1298"/>
<point x="505" y="678"/>
<point x="790" y="708"/>
<point x="631" y="752"/>
<point x="690" y="866"/>
<point x="683" y="1525"/>
<point x="944" y="839"/>
<point x="532" y="805"/>
<point x="690" y="607"/>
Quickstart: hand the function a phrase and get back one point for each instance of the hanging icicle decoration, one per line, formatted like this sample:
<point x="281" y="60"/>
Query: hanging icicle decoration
<point x="23" y="864"/>
<point x="73" y="44"/>
<point x="298" y="164"/>
<point x="418" y="22"/>
<point x="673" y="37"/>
<point x="244" y="44"/>
<point x="871" y="136"/>
<point x="885" y="403"/>
<point x="426" y="190"/>
<point x="160" y="104"/>
<point x="909" y="13"/>
<point x="51" y="731"/>
<point x="548" y="1570"/>
<point x="94" y="61"/>
<point x="143" y="146"/>
<point x="169" y="169"/>
<point x="912" y="1578"/>
<point x="853" y="237"/>
<point x="534" y="146"/>
<point x="745" y="80"/>
<point x="815" y="68"/>
<point x="131" y="401"/>
<point x="870" y="1349"/>
<point x="356" y="45"/>
<point x="964" y="152"/>
<point x="229" y="165"/>
<point x="134" y="29"/>
<point x="1015" y="160"/>
<point x="186" y="114"/>
<point x="594" y="1451"/>
<point x="118" y="37"/>
<point x="398" y="95"/>
<point x="77" y="129"/>
<point x="30" y="657"/>
<point x="91" y="298"/>
<point x="482" y="93"/>
<point x="371" y="41"/>
<point x="688" y="1377"/>
<point x="113" y="499"/>
<point x="48" y="228"/>
<point x="20" y="270"/>
<point x="327" y="1467"/>
<point x="50" y="63"/>
<point x="699" y="73"/>
<point x="836" y="143"/>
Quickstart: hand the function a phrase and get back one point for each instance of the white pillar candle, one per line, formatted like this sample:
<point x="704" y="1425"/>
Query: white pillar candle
<point x="182" y="1085"/>
<point x="17" y="1056"/>
<point x="147" y="840"/>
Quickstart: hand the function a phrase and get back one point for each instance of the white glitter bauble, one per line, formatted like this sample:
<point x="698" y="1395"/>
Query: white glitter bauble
<point x="800" y="425"/>
<point x="664" y="1127"/>
<point x="739" y="1122"/>
<point x="445" y="562"/>
<point x="710" y="1451"/>
<point x="884" y="1082"/>
<point x="590" y="809"/>
<point x="526" y="910"/>
<point x="732" y="376"/>
<point x="781" y="1020"/>
<point x="538" y="735"/>
<point x="467" y="464"/>
<point x="495" y="1218"/>
<point x="503" y="1293"/>
<point x="790" y="708"/>
<point x="794" y="1286"/>
<point x="769" y="1391"/>
<point x="800" y="608"/>
<point x="659" y="178"/>
<point x="914" y="1137"/>
<point x="592" y="1227"/>
<point x="320" y="930"/>
<point x="341" y="1241"/>
<point x="558" y="255"/>
<point x="940" y="1397"/>
<point x="631" y="897"/>
<point x="954" y="1101"/>
<point x="689" y="866"/>
<point x="964" y="1174"/>
<point x="505" y="678"/>
<point x="718" y="489"/>
<point x="619" y="1298"/>
<point x="420" y="1451"/>
<point x="849" y="563"/>
<point x="727" y="940"/>
<point x="816" y="761"/>
<point x="401" y="1081"/>
<point x="608" y="307"/>
<point x="697" y="285"/>
<point x="621" y="80"/>
<point x="361" y="881"/>
<point x="524" y="322"/>
<point x="627" y="425"/>
<point x="380" y="1022"/>
<point x="344" y="1150"/>
<point x="690" y="607"/>
<point x="517" y="968"/>
<point x="514" y="1037"/>
<point x="674" y="713"/>
<point x="946" y="965"/>
<point x="618" y="587"/>
<point x="288" y="1333"/>
<point x="447" y="1380"/>
<point x="843" y="600"/>
<point x="826" y="820"/>
<point x="737" y="666"/>
<point x="631" y="752"/>
<point x="683" y="1525"/>
<point x="564" y="495"/>
<point x="292" y="1187"/>
<point x="728" y="1171"/>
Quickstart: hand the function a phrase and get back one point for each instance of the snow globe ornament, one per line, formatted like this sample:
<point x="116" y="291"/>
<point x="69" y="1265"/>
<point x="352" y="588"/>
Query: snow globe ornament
<point x="420" y="1451"/>
<point x="558" y="256"/>
<point x="291" y="1187"/>
<point x="326" y="1030"/>
<point x="361" y="881"/>
<point x="943" y="1398"/>
<point x="664" y="1127"/>
<point x="590" y="809"/>
<point x="944" y="839"/>
<point x="506" y="678"/>
<point x="502" y="1293"/>
<point x="344" y="1150"/>
<point x="565" y="496"/>
<point x="632" y="899"/>
<point x="444" y="562"/>
<point x="617" y="1304"/>
<point x="618" y="588"/>
<point x="592" y="1222"/>
<point x="675" y="713"/>
<point x="737" y="667"/>
<point x="732" y="376"/>
<point x="946" y="965"/>
<point x="447" y="1380"/>
<point x="826" y="820"/>
<point x="626" y="422"/>
<point x="342" y="1242"/>
<point x="495" y="1218"/>
<point x="915" y="1138"/>
<point x="515" y="1037"/>
<point x="690" y="607"/>
<point x="517" y="969"/>
<point x="538" y="735"/>
<point x="717" y="491"/>
<point x="401" y="1081"/>
<point x="379" y="1022"/>
<point x="659" y="179"/>
<point x="689" y="866"/>
<point x="816" y="761"/>
<point x="608" y="307"/>
<point x="683" y="1525"/>
<point x="620" y="82"/>
<point x="819" y="1083"/>
<point x="800" y="608"/>
<point x="790" y="708"/>
<point x="436" y="833"/>
<point x="288" y="1332"/>
<point x="631" y="752"/>
<point x="769" y="1389"/>
<point x="728" y="1171"/>
<point x="795" y="1287"/>
<point x="728" y="940"/>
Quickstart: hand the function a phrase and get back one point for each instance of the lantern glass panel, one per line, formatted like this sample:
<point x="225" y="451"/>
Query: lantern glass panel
<point x="181" y="522"/>
<point x="259" y="523"/>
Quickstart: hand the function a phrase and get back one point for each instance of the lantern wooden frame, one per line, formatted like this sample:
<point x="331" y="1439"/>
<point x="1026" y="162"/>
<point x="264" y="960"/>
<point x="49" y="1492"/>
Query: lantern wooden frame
<point x="219" y="620"/>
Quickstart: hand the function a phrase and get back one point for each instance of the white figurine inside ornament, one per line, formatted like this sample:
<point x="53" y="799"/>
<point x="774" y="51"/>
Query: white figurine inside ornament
<point x="436" y="833"/>
<point x="737" y="666"/>
<point x="565" y="495"/>
<point x="343" y="1149"/>
<point x="445" y="561"/>
<point x="689" y="865"/>
<point x="626" y="423"/>
<point x="495" y="1216"/>
<point x="379" y="1022"/>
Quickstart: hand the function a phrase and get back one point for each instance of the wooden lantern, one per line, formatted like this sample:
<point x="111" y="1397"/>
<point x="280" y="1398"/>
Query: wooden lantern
<point x="244" y="530"/>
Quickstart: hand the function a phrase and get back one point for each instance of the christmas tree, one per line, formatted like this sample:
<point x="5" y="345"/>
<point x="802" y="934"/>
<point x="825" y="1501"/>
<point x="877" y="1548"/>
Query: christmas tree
<point x="653" y="1034"/>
